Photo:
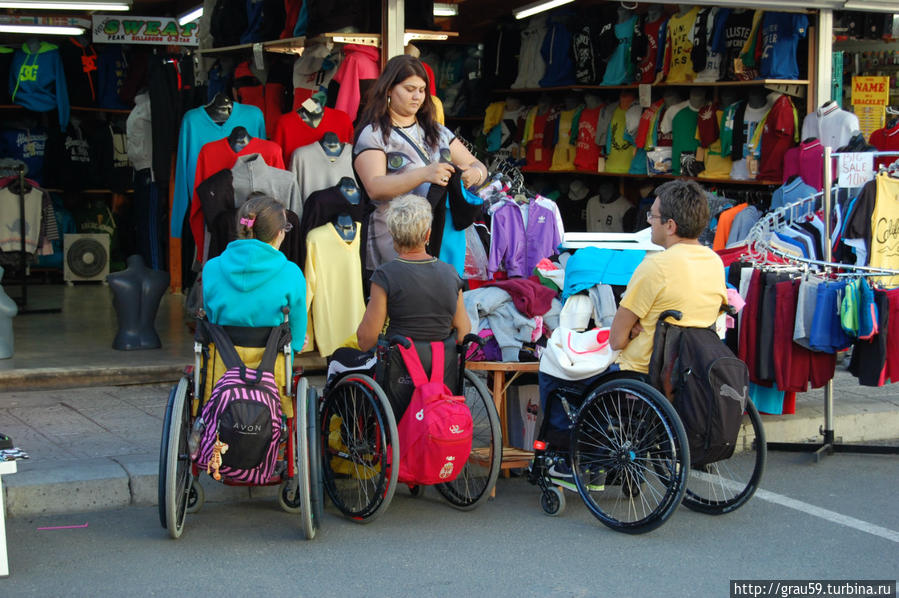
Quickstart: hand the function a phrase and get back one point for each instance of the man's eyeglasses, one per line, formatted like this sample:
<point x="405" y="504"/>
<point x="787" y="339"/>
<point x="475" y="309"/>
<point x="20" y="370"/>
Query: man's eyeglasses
<point x="650" y="216"/>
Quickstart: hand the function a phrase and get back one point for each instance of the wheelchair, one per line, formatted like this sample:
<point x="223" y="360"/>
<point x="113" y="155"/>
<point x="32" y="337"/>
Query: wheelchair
<point x="359" y="447"/>
<point x="629" y="455"/>
<point x="296" y="472"/>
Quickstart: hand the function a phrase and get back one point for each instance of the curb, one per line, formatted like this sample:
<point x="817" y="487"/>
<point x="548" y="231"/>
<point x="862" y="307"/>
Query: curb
<point x="131" y="480"/>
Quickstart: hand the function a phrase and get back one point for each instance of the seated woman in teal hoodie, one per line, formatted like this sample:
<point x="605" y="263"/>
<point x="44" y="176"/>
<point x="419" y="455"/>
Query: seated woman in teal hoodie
<point x="249" y="283"/>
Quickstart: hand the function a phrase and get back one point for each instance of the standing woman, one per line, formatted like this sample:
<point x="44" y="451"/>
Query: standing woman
<point x="398" y="150"/>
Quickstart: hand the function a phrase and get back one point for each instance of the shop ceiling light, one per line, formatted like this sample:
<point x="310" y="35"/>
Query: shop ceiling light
<point x="872" y="5"/>
<point x="532" y="9"/>
<point x="42" y="29"/>
<point x="62" y="5"/>
<point x="191" y="16"/>
<point x="444" y="9"/>
<point x="778" y="4"/>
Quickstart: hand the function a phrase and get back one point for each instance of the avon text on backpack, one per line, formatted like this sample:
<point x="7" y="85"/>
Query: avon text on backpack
<point x="244" y="410"/>
<point x="436" y="429"/>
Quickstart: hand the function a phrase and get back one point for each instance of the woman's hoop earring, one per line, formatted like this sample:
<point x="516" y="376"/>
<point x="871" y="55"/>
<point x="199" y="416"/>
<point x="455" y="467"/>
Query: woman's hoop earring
<point x="388" y="100"/>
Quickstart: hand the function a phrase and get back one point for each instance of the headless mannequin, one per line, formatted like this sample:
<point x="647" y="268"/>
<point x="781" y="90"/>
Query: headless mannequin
<point x="626" y="99"/>
<point x="757" y="98"/>
<point x="624" y="14"/>
<point x="512" y="104"/>
<point x="672" y="96"/>
<point x="33" y="45"/>
<point x="571" y="102"/>
<point x="344" y="224"/>
<point x="698" y="98"/>
<point x="219" y="109"/>
<point x="683" y="9"/>
<point x="543" y="103"/>
<point x="727" y="97"/>
<point x="137" y="291"/>
<point x="653" y="13"/>
<point x="239" y="139"/>
<point x="311" y="112"/>
<point x="331" y="145"/>
<point x="8" y="310"/>
<point x="592" y="101"/>
<point x="607" y="192"/>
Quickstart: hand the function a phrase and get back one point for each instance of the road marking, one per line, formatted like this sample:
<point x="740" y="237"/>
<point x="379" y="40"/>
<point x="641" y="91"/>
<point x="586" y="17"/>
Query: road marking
<point x="804" y="507"/>
<point x="829" y="515"/>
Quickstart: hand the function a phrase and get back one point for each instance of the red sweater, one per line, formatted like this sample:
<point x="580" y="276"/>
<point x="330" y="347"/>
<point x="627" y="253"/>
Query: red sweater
<point x="292" y="132"/>
<point x="216" y="156"/>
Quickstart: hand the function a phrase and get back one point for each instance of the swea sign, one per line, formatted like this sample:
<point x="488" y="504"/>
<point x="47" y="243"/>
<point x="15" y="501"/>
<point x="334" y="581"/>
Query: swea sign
<point x="115" y="29"/>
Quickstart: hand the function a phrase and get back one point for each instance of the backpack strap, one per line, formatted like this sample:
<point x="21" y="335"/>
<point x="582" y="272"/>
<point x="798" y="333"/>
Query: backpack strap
<point x="225" y="346"/>
<point x="437" y="356"/>
<point x="413" y="364"/>
<point x="277" y="338"/>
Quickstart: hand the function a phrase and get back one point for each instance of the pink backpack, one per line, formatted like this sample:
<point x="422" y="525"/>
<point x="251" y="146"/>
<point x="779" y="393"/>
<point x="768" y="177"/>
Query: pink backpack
<point x="436" y="429"/>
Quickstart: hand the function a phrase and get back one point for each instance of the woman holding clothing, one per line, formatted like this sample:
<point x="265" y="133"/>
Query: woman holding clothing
<point x="400" y="148"/>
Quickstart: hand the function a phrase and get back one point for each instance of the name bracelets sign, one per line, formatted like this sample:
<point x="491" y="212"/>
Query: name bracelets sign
<point x="870" y="91"/>
<point x="115" y="29"/>
<point x="855" y="169"/>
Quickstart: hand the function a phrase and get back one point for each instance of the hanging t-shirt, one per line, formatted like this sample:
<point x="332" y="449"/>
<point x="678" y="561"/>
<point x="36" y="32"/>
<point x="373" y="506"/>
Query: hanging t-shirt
<point x="655" y="32"/>
<point x="779" y="133"/>
<point x="736" y="31"/>
<point x="752" y="118"/>
<point x="832" y="125"/>
<point x="781" y="32"/>
<point x="564" y="151"/>
<point x="538" y="157"/>
<point x="717" y="162"/>
<point x="606" y="217"/>
<point x="683" y="132"/>
<point x="678" y="46"/>
<point x="587" y="151"/>
<point x="620" y="70"/>
<point x="531" y="66"/>
<point x="620" y="140"/>
<point x="709" y="67"/>
<point x="885" y="229"/>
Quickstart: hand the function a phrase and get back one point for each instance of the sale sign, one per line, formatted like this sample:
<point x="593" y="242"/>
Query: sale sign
<point x="855" y="169"/>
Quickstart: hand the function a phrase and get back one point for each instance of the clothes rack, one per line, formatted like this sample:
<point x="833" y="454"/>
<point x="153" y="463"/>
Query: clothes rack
<point x="22" y="301"/>
<point x="758" y="242"/>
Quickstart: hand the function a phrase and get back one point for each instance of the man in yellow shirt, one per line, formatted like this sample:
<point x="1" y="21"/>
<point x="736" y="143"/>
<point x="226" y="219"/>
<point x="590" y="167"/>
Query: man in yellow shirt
<point x="687" y="276"/>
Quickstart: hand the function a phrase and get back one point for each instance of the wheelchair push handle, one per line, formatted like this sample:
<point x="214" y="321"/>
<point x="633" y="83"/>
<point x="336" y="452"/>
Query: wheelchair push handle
<point x="670" y="313"/>
<point x="473" y="338"/>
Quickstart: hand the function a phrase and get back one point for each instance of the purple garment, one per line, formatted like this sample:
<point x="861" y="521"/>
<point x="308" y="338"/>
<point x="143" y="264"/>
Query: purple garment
<point x="518" y="246"/>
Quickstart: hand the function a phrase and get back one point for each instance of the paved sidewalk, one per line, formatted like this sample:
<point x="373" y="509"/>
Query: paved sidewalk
<point x="98" y="448"/>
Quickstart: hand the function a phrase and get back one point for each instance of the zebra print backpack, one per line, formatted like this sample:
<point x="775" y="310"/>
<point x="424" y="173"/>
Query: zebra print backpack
<point x="244" y="412"/>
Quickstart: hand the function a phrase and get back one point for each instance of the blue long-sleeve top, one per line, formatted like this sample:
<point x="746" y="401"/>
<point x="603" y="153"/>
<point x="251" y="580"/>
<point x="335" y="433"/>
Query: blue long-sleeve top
<point x="198" y="129"/>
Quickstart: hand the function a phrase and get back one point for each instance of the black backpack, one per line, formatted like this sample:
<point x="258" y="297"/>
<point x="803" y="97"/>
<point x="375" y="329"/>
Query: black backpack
<point x="708" y="385"/>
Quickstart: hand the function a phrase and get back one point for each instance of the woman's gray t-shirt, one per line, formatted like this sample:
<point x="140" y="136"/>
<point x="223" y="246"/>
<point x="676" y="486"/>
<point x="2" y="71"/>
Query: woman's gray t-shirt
<point x="421" y="297"/>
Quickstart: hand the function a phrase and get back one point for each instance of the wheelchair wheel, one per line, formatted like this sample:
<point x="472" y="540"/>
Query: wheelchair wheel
<point x="552" y="501"/>
<point x="477" y="479"/>
<point x="304" y="486"/>
<point x="629" y="456"/>
<point x="163" y="455"/>
<point x="177" y="479"/>
<point x="314" y="458"/>
<point x="724" y="486"/>
<point x="359" y="448"/>
<point x="196" y="497"/>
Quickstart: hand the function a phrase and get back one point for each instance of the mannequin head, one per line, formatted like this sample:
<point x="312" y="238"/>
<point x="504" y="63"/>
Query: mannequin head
<point x="727" y="96"/>
<point x="592" y="101"/>
<point x="756" y="98"/>
<point x="672" y="95"/>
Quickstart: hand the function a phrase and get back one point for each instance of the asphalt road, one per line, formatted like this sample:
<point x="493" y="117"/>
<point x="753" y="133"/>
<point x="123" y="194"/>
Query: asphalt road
<point x="833" y="520"/>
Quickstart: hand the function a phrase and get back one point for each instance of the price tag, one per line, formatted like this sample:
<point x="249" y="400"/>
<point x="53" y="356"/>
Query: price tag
<point x="258" y="57"/>
<point x="645" y="94"/>
<point x="855" y="169"/>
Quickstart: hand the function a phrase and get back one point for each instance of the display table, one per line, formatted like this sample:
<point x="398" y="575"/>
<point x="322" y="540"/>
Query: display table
<point x="512" y="457"/>
<point x="6" y="468"/>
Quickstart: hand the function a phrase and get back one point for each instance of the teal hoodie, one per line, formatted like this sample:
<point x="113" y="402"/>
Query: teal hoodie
<point x="249" y="283"/>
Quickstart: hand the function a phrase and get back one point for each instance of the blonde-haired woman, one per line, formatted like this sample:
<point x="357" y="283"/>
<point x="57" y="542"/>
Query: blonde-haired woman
<point x="421" y="295"/>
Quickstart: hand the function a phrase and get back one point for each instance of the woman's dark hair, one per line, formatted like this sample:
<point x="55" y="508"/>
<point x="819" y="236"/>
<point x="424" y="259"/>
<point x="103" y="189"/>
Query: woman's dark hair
<point x="376" y="113"/>
<point x="261" y="217"/>
<point x="686" y="204"/>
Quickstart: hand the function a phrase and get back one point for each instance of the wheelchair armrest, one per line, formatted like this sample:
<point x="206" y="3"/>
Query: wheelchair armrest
<point x="395" y="339"/>
<point x="670" y="313"/>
